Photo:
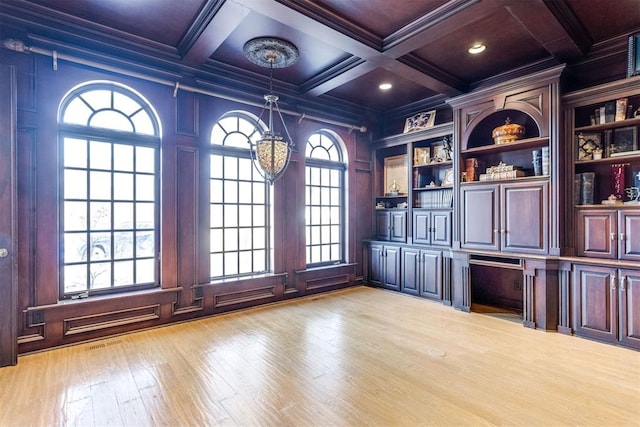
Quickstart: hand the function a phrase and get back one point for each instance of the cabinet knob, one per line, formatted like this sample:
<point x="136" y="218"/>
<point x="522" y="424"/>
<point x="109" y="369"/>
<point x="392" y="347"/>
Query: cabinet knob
<point x="503" y="231"/>
<point x="623" y="281"/>
<point x="4" y="253"/>
<point x="613" y="236"/>
<point x="612" y="282"/>
<point x="495" y="230"/>
<point x="621" y="236"/>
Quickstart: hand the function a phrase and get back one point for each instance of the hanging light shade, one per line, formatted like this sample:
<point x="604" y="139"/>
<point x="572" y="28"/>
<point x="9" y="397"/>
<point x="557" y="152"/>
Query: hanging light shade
<point x="271" y="153"/>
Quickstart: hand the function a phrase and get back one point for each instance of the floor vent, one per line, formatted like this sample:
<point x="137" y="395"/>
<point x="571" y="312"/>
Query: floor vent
<point x="104" y="344"/>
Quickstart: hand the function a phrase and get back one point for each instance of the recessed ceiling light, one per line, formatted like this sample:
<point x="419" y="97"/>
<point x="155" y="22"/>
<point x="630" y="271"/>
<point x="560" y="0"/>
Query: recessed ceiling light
<point x="477" y="48"/>
<point x="385" y="86"/>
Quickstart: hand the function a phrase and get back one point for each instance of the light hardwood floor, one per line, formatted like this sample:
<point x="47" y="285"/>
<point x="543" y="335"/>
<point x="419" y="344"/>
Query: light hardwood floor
<point x="356" y="357"/>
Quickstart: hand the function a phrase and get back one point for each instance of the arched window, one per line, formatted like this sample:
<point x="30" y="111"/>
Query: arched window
<point x="324" y="206"/>
<point x="240" y="204"/>
<point x="109" y="155"/>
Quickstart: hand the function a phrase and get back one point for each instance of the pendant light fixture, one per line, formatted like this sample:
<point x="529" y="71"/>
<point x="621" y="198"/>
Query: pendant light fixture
<point x="271" y="153"/>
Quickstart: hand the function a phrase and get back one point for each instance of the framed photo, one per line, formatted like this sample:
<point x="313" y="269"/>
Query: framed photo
<point x="420" y="121"/>
<point x="447" y="179"/>
<point x="586" y="144"/>
<point x="395" y="175"/>
<point x="421" y="156"/>
<point x="633" y="68"/>
<point x="439" y="153"/>
<point x="623" y="141"/>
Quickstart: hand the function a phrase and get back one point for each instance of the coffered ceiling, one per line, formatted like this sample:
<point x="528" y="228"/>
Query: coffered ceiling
<point x="347" y="48"/>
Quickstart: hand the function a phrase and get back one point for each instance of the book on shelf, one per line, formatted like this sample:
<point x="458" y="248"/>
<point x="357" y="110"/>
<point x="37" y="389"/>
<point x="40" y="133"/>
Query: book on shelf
<point x="609" y="112"/>
<point x="625" y="153"/>
<point x="584" y="188"/>
<point x="621" y="109"/>
<point x="441" y="199"/>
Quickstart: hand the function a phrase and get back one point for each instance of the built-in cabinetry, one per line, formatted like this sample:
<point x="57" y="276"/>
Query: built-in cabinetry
<point x="413" y="184"/>
<point x="603" y="211"/>
<point x="609" y="233"/>
<point x="384" y="265"/>
<point x="432" y="227"/>
<point x="521" y="224"/>
<point x="509" y="217"/>
<point x="422" y="272"/>
<point x="506" y="197"/>
<point x="606" y="303"/>
<point x="391" y="225"/>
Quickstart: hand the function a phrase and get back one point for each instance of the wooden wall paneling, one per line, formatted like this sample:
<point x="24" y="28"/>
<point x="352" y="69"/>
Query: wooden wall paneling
<point x="187" y="112"/>
<point x="26" y="152"/>
<point x="187" y="208"/>
<point x="461" y="281"/>
<point x="326" y="278"/>
<point x="110" y="319"/>
<point x="51" y="88"/>
<point x="288" y="220"/>
<point x="360" y="207"/>
<point x="446" y="279"/>
<point x="244" y="294"/>
<point x="541" y="293"/>
<point x="564" y="297"/>
<point x="8" y="218"/>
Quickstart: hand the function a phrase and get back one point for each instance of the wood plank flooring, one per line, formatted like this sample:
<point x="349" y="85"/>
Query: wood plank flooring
<point x="356" y="357"/>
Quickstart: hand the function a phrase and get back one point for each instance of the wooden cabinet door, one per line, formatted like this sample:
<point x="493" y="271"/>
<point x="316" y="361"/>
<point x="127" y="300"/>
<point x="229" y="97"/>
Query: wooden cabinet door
<point x="524" y="219"/>
<point x="398" y="232"/>
<point x="595" y="302"/>
<point x="383" y="225"/>
<point x="422" y="227"/>
<point x="629" y="290"/>
<point x="480" y="217"/>
<point x="441" y="228"/>
<point x="410" y="270"/>
<point x="391" y="267"/>
<point x="597" y="234"/>
<point x="629" y="235"/>
<point x="431" y="274"/>
<point x="376" y="265"/>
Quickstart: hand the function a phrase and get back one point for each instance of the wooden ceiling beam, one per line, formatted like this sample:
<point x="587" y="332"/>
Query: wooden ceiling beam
<point x="373" y="57"/>
<point x="554" y="26"/>
<point x="213" y="32"/>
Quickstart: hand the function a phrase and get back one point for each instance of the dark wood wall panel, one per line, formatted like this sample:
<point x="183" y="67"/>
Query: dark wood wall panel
<point x="187" y="190"/>
<point x="261" y="294"/>
<point x="185" y="290"/>
<point x="26" y="152"/>
<point x="187" y="113"/>
<point x="96" y="322"/>
<point x="8" y="217"/>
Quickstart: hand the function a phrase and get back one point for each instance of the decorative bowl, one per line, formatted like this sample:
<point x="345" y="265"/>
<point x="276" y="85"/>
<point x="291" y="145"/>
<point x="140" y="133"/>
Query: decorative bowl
<point x="508" y="132"/>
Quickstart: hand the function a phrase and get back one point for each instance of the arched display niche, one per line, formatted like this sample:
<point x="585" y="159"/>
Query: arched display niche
<point x="481" y="134"/>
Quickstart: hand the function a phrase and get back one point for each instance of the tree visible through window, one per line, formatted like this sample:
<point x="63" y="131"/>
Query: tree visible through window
<point x="109" y="156"/>
<point x="240" y="202"/>
<point x="324" y="207"/>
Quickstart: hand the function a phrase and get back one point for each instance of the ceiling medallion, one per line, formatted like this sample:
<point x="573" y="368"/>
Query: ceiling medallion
<point x="271" y="52"/>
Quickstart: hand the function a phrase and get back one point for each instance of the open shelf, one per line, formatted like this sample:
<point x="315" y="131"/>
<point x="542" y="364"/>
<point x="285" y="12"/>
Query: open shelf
<point x="522" y="144"/>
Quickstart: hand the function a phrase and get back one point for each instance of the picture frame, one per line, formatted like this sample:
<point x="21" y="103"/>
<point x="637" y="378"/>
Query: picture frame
<point x="395" y="174"/>
<point x="447" y="179"/>
<point x="633" y="61"/>
<point x="420" y="121"/>
<point x="439" y="153"/>
<point x="624" y="141"/>
<point x="586" y="144"/>
<point x="421" y="156"/>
